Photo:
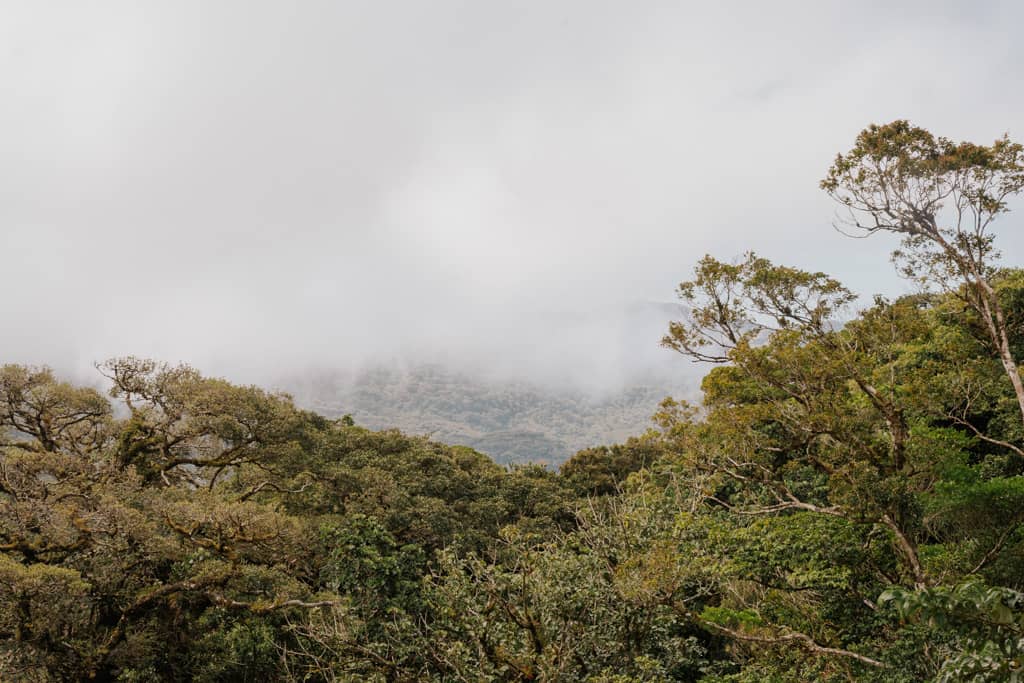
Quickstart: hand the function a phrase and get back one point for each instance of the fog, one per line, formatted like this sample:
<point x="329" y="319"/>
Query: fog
<point x="259" y="186"/>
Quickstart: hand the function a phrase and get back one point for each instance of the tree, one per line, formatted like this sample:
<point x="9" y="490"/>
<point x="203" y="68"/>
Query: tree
<point x="102" y="561"/>
<point x="941" y="198"/>
<point x="50" y="415"/>
<point x="988" y="623"/>
<point x="805" y="441"/>
<point x="192" y="428"/>
<point x="838" y="459"/>
<point x="589" y="605"/>
<point x="602" y="470"/>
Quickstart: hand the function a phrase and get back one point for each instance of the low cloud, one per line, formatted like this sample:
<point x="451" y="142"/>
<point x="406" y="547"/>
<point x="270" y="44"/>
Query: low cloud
<point x="251" y="186"/>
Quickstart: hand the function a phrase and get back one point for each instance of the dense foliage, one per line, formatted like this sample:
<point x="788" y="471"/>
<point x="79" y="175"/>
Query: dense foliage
<point x="847" y="503"/>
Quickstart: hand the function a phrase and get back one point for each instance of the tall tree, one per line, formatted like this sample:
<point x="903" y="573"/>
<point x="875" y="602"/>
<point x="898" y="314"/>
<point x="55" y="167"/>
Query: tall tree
<point x="942" y="198"/>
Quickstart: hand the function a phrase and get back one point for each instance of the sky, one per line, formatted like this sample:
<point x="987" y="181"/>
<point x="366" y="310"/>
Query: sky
<point x="250" y="186"/>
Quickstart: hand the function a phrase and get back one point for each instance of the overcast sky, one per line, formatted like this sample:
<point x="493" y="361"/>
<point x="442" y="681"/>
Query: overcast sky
<point x="249" y="184"/>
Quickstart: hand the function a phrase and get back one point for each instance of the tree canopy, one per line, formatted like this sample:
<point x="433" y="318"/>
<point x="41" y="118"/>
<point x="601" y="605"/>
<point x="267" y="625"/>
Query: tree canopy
<point x="846" y="503"/>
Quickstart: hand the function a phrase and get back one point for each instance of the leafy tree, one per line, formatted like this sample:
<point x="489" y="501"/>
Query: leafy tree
<point x="941" y="197"/>
<point x="988" y="624"/>
<point x="196" y="429"/>
<point x="603" y="470"/>
<point x="50" y="415"/>
<point x="581" y="606"/>
<point x="837" y="457"/>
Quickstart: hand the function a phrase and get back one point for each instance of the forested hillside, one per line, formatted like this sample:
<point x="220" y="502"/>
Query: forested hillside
<point x="846" y="503"/>
<point x="613" y="378"/>
<point x="510" y="421"/>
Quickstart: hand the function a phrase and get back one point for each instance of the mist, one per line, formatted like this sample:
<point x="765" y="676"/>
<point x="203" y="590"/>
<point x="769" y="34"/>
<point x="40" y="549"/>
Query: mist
<point x="262" y="188"/>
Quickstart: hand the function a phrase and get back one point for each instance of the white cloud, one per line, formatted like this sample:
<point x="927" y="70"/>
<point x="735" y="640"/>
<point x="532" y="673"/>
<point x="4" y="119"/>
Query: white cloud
<point x="252" y="183"/>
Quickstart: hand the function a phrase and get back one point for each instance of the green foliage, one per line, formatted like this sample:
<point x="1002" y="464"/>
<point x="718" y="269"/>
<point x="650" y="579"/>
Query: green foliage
<point x="986" y="622"/>
<point x="846" y="504"/>
<point x="215" y="532"/>
<point x="604" y="469"/>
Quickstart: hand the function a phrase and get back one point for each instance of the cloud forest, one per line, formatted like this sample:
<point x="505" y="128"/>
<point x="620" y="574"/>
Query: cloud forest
<point x="844" y="503"/>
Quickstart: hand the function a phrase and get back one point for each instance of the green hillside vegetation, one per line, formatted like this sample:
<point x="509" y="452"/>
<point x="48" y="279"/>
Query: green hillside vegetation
<point x="845" y="504"/>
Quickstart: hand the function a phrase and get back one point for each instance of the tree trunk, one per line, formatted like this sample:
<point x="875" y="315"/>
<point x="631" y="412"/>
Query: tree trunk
<point x="996" y="320"/>
<point x="1013" y="373"/>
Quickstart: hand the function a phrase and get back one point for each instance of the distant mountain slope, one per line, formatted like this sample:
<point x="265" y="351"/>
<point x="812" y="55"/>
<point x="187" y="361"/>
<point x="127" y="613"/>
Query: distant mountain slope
<point x="616" y="376"/>
<point x="511" y="422"/>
